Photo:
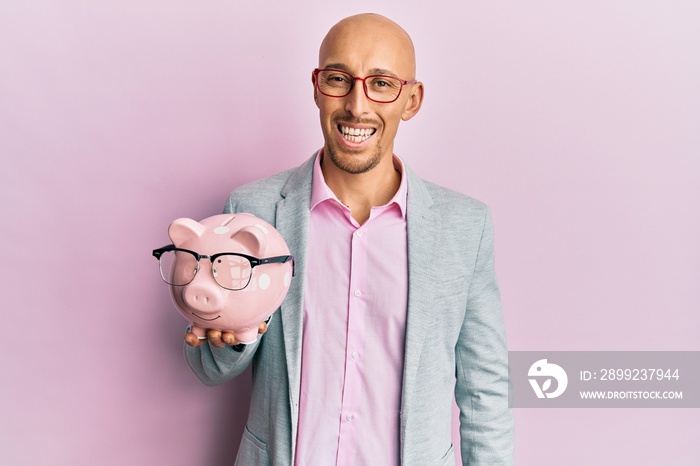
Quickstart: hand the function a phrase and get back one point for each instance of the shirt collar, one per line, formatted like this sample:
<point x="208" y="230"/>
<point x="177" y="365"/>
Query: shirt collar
<point x="320" y="191"/>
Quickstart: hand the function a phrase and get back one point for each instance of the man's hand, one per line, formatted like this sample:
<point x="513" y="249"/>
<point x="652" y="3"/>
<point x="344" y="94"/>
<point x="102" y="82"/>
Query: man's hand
<point x="218" y="338"/>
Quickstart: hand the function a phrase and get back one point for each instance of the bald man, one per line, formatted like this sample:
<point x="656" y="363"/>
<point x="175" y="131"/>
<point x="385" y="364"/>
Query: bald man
<point x="395" y="310"/>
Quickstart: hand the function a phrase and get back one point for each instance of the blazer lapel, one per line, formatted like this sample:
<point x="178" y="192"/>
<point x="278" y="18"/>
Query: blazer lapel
<point x="422" y="226"/>
<point x="292" y="221"/>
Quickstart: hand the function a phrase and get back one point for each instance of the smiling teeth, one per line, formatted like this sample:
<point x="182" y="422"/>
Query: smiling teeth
<point x="356" y="134"/>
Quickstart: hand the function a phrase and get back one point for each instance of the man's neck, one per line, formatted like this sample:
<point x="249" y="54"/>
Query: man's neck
<point x="360" y="192"/>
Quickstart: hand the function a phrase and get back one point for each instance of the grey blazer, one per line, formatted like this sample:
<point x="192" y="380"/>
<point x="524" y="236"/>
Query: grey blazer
<point x="455" y="338"/>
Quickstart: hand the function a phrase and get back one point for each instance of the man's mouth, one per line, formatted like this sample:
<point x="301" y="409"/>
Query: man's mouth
<point x="356" y="135"/>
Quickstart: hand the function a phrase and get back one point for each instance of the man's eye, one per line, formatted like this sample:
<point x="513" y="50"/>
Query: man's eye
<point x="382" y="84"/>
<point x="336" y="79"/>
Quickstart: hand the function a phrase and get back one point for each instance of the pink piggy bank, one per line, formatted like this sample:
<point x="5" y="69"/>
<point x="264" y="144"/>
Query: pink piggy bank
<point x="228" y="272"/>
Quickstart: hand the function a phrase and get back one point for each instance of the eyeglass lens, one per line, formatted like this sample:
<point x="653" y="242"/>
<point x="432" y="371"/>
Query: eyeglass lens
<point x="232" y="272"/>
<point x="177" y="267"/>
<point x="378" y="88"/>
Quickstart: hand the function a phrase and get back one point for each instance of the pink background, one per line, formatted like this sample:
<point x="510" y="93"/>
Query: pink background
<point x="577" y="122"/>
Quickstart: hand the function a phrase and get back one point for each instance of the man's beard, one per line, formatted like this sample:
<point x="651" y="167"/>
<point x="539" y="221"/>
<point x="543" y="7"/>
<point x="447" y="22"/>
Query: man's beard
<point x="354" y="167"/>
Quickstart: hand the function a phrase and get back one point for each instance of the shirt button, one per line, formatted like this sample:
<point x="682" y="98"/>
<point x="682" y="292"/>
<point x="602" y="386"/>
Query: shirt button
<point x="354" y="354"/>
<point x="359" y="233"/>
<point x="358" y="293"/>
<point x="350" y="417"/>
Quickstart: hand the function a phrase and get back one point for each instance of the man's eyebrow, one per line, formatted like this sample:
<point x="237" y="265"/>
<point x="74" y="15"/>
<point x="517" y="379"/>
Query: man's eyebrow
<point x="340" y="66"/>
<point x="382" y="71"/>
<point x="336" y="66"/>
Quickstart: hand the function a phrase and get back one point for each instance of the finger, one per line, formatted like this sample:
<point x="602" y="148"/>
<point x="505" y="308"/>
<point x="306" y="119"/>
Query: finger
<point x="262" y="328"/>
<point x="214" y="337"/>
<point x="193" y="340"/>
<point x="229" y="338"/>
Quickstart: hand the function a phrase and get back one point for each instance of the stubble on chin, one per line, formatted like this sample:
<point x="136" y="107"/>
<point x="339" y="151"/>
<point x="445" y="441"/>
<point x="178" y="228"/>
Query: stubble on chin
<point x="353" y="164"/>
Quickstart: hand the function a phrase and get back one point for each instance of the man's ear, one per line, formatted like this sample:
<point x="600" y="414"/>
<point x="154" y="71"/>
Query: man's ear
<point x="414" y="102"/>
<point x="313" y="81"/>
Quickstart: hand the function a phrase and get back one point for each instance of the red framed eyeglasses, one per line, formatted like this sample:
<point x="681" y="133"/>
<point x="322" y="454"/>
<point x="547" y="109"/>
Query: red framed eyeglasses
<point x="379" y="88"/>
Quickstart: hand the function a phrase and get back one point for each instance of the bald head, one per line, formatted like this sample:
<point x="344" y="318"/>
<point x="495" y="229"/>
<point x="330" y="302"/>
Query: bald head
<point x="365" y="36"/>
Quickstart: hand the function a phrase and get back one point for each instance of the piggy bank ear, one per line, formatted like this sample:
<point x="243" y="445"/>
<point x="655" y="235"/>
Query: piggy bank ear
<point x="252" y="238"/>
<point x="184" y="229"/>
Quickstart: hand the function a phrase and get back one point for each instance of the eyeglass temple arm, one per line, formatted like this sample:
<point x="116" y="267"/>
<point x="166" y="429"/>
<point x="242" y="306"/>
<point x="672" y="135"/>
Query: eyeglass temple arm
<point x="158" y="252"/>
<point x="281" y="259"/>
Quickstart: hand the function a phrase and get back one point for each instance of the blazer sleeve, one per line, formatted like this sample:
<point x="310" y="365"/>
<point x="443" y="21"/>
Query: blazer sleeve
<point x="214" y="366"/>
<point x="486" y="421"/>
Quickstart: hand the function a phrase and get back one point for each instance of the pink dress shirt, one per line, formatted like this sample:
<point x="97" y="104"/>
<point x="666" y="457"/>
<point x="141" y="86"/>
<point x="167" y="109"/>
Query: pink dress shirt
<point x="355" y="300"/>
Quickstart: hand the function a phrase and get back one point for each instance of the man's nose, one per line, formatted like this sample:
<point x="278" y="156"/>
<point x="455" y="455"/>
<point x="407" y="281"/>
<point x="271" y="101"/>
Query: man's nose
<point x="356" y="102"/>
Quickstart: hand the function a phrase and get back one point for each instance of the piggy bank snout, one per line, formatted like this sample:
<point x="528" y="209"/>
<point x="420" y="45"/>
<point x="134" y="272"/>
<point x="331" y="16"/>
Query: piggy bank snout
<point x="204" y="297"/>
